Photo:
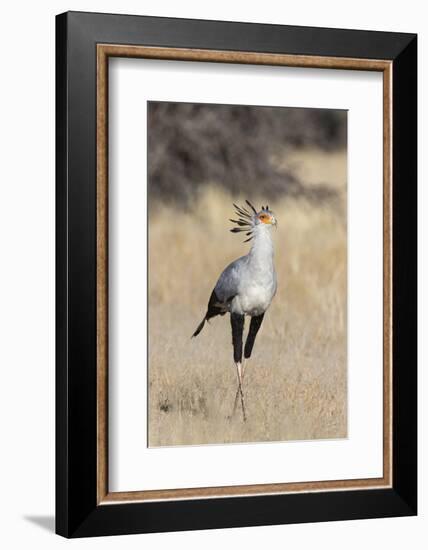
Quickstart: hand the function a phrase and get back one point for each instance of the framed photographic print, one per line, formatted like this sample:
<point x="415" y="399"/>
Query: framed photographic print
<point x="236" y="274"/>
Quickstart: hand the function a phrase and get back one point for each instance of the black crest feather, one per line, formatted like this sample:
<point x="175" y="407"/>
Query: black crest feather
<point x="245" y="219"/>
<point x="251" y="206"/>
<point x="240" y="222"/>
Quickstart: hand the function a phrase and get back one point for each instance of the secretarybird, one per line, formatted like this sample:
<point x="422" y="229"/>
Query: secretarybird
<point x="246" y="287"/>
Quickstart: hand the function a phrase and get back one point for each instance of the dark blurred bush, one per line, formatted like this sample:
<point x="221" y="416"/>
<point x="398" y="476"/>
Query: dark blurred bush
<point x="192" y="145"/>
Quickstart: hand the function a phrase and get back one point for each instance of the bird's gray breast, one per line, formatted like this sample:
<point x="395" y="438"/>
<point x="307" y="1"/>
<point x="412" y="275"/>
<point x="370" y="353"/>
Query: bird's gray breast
<point x="247" y="287"/>
<point x="257" y="289"/>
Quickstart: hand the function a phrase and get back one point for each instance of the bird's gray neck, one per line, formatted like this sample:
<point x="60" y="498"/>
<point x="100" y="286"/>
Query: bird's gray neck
<point x="262" y="249"/>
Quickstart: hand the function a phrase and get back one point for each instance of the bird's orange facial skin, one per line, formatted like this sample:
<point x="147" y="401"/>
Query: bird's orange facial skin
<point x="266" y="218"/>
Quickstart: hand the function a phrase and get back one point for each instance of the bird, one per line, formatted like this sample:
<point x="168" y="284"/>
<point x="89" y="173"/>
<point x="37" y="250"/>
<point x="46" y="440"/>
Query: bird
<point x="246" y="287"/>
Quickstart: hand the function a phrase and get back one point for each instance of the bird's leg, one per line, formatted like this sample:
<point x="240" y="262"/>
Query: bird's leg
<point x="254" y="328"/>
<point x="237" y="322"/>
<point x="255" y="324"/>
<point x="237" y="389"/>
<point x="239" y="373"/>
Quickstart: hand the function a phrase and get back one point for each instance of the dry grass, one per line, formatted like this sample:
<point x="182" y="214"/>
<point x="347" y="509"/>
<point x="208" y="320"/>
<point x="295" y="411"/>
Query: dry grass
<point x="295" y="383"/>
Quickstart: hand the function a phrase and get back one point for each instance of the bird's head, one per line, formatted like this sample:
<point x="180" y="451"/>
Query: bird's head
<point x="248" y="220"/>
<point x="265" y="216"/>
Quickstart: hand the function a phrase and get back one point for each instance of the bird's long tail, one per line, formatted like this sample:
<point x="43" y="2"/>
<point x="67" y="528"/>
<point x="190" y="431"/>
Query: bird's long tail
<point x="200" y="327"/>
<point x="214" y="308"/>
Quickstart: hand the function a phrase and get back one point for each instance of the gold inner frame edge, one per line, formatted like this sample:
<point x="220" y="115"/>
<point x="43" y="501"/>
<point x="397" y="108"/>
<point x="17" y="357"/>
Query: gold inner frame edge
<point x="104" y="51"/>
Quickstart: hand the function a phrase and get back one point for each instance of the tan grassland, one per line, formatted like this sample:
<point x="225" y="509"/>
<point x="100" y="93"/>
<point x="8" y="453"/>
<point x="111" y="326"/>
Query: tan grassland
<point x="296" y="381"/>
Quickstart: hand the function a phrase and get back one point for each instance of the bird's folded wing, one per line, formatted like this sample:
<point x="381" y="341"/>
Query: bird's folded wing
<point x="228" y="283"/>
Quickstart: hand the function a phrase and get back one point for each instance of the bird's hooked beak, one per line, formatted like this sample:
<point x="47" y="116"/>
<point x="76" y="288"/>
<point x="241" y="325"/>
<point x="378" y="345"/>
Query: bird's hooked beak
<point x="272" y="221"/>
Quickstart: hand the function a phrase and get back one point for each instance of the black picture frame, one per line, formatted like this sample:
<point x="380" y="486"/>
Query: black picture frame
<point x="77" y="512"/>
